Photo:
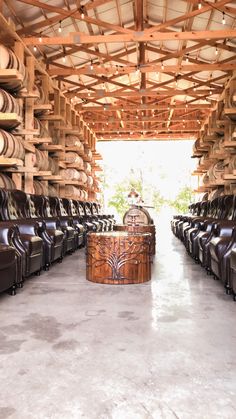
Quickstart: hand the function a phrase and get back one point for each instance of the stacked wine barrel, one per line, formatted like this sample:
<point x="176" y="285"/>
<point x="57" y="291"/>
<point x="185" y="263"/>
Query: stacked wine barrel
<point x="11" y="144"/>
<point x="78" y="193"/>
<point x="82" y="171"/>
<point x="9" y="60"/>
<point x="216" y="171"/>
<point x="73" y="158"/>
<point x="6" y="182"/>
<point x="74" y="141"/>
<point x="40" y="188"/>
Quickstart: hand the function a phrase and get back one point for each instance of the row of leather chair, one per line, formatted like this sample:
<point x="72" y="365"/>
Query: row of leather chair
<point x="209" y="235"/>
<point x="37" y="230"/>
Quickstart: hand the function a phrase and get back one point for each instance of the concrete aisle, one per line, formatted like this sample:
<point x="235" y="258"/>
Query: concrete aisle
<point x="71" y="349"/>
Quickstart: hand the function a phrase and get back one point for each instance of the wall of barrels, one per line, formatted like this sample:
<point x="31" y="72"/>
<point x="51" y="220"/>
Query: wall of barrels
<point x="215" y="149"/>
<point x="45" y="146"/>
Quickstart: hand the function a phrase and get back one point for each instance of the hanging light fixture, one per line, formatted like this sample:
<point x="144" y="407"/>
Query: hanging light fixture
<point x="223" y="18"/>
<point x="81" y="10"/>
<point x="91" y="65"/>
<point x="199" y="5"/>
<point x="59" y="29"/>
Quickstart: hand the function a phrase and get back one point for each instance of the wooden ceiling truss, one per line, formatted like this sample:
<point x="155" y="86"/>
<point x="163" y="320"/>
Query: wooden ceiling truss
<point x="135" y="70"/>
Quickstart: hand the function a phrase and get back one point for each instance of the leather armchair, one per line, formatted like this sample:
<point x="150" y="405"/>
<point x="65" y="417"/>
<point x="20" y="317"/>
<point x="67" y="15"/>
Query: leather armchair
<point x="89" y="226"/>
<point x="49" y="230"/>
<point x="8" y="268"/>
<point x="58" y="211"/>
<point x="71" y="209"/>
<point x="232" y="280"/>
<point x="91" y="218"/>
<point x="27" y="241"/>
<point x="8" y="237"/>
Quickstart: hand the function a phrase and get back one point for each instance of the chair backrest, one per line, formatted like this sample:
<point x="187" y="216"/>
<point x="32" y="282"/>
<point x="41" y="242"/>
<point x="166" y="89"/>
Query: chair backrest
<point x="67" y="205"/>
<point x="203" y="209"/>
<point x="87" y="209"/>
<point x="61" y="208"/>
<point x="13" y="207"/>
<point x="20" y="202"/>
<point x="40" y="206"/>
<point x="74" y="208"/>
<point x="229" y="207"/>
<point x="52" y="206"/>
<point x="32" y="208"/>
<point x="3" y="205"/>
<point x="94" y="208"/>
<point x="80" y="208"/>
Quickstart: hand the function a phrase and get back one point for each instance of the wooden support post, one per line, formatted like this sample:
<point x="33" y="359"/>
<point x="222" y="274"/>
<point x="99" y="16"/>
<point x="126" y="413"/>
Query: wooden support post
<point x="29" y="125"/>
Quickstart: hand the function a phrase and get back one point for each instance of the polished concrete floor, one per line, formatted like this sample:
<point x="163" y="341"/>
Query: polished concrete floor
<point x="71" y="349"/>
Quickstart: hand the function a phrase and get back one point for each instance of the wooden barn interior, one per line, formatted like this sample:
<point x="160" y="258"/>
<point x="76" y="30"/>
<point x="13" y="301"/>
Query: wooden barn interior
<point x="99" y="319"/>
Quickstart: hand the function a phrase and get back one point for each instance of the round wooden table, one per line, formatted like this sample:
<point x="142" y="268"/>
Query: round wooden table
<point x="118" y="257"/>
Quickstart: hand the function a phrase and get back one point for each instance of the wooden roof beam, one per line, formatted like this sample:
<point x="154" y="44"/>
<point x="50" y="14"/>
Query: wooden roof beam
<point x="114" y="108"/>
<point x="67" y="71"/>
<point x="144" y="36"/>
<point x="144" y="93"/>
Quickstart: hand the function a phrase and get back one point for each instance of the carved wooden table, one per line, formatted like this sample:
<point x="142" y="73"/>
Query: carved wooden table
<point x="118" y="257"/>
<point x="150" y="228"/>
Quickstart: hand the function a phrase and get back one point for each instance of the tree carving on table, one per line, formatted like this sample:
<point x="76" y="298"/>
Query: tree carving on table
<point x="117" y="253"/>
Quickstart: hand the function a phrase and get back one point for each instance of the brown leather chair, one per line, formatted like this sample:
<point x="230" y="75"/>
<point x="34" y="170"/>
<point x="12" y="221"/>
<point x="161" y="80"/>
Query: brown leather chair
<point x="72" y="211"/>
<point x="9" y="237"/>
<point x="49" y="230"/>
<point x="232" y="276"/>
<point x="8" y="268"/>
<point x="27" y="240"/>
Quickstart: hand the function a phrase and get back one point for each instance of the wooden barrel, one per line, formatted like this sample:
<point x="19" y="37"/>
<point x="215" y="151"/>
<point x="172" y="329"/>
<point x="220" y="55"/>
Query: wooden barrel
<point x="232" y="163"/>
<point x="39" y="188"/>
<point x="215" y="193"/>
<point x="88" y="155"/>
<point x="205" y="179"/>
<point x="216" y="171"/>
<point x="52" y="165"/>
<point x="9" y="60"/>
<point x="73" y="158"/>
<point x="137" y="216"/>
<point x="74" y="141"/>
<point x="11" y="145"/>
<point x="89" y="181"/>
<point x="87" y="168"/>
<point x="42" y="131"/>
<point x="39" y="100"/>
<point x="71" y="190"/>
<point x="118" y="257"/>
<point x="74" y="174"/>
<point x="6" y="182"/>
<point x="8" y="104"/>
<point x="52" y="191"/>
<point x="41" y="159"/>
<point x="140" y="229"/>
<point x="218" y="146"/>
